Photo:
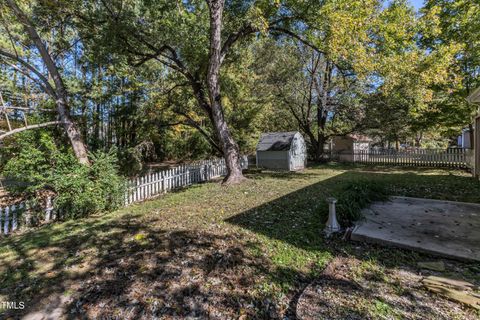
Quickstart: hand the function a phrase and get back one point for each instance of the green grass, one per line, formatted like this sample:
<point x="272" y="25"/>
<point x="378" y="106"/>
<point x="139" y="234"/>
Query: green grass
<point x="275" y="218"/>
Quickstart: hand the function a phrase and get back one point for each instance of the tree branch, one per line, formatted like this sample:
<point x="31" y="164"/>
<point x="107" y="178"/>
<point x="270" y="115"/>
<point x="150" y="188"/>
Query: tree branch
<point x="296" y="36"/>
<point x="245" y="31"/>
<point x="194" y="124"/>
<point x="33" y="126"/>
<point x="47" y="86"/>
<point x="234" y="37"/>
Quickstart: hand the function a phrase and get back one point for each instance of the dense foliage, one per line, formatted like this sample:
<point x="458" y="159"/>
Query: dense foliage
<point x="40" y="167"/>
<point x="357" y="196"/>
<point x="135" y="72"/>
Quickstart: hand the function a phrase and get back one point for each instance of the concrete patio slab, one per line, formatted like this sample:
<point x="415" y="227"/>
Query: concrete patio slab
<point x="446" y="228"/>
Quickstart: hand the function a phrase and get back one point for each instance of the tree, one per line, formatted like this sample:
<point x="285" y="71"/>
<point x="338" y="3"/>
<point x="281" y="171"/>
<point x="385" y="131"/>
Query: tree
<point x="194" y="40"/>
<point x="455" y="24"/>
<point x="411" y="81"/>
<point x="229" y="146"/>
<point x="57" y="89"/>
<point x="327" y="90"/>
<point x="321" y="99"/>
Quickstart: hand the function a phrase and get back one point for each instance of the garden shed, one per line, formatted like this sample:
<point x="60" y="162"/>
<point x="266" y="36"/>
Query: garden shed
<point x="282" y="151"/>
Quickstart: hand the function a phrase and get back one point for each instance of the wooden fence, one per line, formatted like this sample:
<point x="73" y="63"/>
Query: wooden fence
<point x="449" y="158"/>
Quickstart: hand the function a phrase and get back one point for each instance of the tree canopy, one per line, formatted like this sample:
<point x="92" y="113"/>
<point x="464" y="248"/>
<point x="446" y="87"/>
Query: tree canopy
<point x="192" y="79"/>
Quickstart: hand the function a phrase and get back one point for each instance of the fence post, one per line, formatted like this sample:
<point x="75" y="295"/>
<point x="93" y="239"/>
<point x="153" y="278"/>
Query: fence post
<point x="162" y="182"/>
<point x="22" y="211"/>
<point x="175" y="178"/>
<point x="149" y="185"/>
<point x="14" y="217"/>
<point x="155" y="183"/>
<point x="6" y="220"/>
<point x="48" y="209"/>
<point x="125" y="197"/>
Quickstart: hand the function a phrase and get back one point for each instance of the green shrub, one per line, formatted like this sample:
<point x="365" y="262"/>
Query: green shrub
<point x="356" y="196"/>
<point x="41" y="165"/>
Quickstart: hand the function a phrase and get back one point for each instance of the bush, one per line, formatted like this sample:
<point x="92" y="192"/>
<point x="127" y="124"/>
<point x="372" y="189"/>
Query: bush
<point x="357" y="196"/>
<point x="40" y="165"/>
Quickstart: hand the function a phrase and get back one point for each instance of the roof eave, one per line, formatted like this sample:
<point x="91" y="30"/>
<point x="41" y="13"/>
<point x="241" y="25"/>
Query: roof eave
<point x="474" y="97"/>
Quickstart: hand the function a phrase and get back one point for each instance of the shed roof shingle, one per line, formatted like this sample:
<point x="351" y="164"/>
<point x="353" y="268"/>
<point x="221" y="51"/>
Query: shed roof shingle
<point x="276" y="141"/>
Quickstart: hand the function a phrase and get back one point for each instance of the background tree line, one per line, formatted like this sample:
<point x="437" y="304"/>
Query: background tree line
<point x="191" y="79"/>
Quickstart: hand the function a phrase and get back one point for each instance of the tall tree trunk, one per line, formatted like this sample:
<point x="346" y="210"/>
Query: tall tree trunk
<point x="319" y="149"/>
<point x="322" y="109"/>
<point x="61" y="97"/>
<point x="418" y="139"/>
<point x="229" y="146"/>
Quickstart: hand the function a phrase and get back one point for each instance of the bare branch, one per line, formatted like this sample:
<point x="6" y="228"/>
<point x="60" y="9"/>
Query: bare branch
<point x="47" y="87"/>
<point x="33" y="126"/>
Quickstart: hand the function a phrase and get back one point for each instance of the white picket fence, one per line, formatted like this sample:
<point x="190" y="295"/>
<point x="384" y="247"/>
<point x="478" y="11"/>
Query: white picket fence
<point x="138" y="189"/>
<point x="153" y="184"/>
<point x="20" y="215"/>
<point x="451" y="158"/>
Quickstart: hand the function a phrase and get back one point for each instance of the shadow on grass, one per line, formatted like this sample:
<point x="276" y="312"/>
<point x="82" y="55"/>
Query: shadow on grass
<point x="298" y="218"/>
<point x="136" y="271"/>
<point x="127" y="268"/>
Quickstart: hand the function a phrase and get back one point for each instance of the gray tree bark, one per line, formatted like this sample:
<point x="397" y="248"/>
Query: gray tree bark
<point x="228" y="144"/>
<point x="60" y="94"/>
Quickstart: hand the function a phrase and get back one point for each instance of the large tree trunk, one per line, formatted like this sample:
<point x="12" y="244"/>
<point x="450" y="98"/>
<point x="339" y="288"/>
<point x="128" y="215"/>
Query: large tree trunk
<point x="72" y="132"/>
<point x="322" y="108"/>
<point x="61" y="97"/>
<point x="418" y="139"/>
<point x="228" y="144"/>
<point x="319" y="148"/>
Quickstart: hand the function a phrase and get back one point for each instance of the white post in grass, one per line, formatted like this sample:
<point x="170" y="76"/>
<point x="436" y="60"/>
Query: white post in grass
<point x="332" y="225"/>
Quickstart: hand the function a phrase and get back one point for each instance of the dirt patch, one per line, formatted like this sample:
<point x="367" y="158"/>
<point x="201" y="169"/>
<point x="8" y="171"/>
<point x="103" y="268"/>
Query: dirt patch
<point x="352" y="289"/>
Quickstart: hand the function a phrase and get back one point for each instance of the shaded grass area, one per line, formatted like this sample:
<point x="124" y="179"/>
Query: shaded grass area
<point x="213" y="251"/>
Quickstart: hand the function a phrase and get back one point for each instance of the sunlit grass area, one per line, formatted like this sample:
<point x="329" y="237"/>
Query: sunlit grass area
<point x="229" y="251"/>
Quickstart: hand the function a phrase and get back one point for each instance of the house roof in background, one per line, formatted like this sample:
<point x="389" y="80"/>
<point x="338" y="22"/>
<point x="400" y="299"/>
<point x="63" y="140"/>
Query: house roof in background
<point x="360" y="137"/>
<point x="276" y="141"/>
<point x="356" y="137"/>
<point x="474" y="97"/>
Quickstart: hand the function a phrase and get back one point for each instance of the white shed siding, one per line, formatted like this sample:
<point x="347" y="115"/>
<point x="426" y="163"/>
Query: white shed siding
<point x="298" y="153"/>
<point x="282" y="151"/>
<point x="274" y="159"/>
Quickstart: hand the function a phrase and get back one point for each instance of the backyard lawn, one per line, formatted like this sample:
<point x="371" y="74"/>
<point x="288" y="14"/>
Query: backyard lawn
<point x="231" y="252"/>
